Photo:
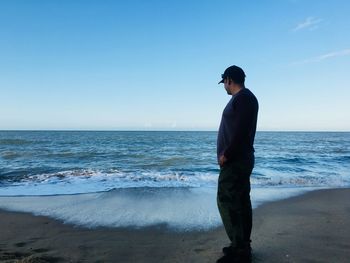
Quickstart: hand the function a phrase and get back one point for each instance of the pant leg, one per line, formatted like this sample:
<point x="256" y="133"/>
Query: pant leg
<point x="233" y="200"/>
<point x="247" y="215"/>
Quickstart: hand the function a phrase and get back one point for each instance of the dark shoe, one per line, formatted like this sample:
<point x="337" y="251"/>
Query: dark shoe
<point x="227" y="259"/>
<point x="244" y="256"/>
<point x="234" y="254"/>
<point x="229" y="250"/>
<point x="233" y="250"/>
<point x="235" y="258"/>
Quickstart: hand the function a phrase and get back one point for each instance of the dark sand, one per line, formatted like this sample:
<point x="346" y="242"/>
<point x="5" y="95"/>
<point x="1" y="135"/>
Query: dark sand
<point x="313" y="227"/>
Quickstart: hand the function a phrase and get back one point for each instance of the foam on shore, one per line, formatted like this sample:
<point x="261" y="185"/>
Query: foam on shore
<point x="179" y="208"/>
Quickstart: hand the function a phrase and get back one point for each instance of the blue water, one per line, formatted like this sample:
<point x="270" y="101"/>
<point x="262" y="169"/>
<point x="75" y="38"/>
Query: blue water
<point x="67" y="162"/>
<point x="138" y="178"/>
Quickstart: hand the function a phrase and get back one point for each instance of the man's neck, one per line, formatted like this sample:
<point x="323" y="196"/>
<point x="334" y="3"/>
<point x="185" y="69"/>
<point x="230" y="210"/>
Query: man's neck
<point x="237" y="90"/>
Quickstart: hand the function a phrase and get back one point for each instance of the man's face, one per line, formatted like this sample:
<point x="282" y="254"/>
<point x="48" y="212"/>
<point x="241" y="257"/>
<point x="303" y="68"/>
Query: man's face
<point x="226" y="86"/>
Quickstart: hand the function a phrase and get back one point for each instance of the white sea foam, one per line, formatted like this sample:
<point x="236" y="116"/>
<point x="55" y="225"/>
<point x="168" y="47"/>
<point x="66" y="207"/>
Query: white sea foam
<point x="82" y="181"/>
<point x="178" y="208"/>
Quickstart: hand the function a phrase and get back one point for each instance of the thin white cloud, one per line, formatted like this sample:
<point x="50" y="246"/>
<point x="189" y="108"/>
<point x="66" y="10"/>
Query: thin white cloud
<point x="310" y="23"/>
<point x="339" y="53"/>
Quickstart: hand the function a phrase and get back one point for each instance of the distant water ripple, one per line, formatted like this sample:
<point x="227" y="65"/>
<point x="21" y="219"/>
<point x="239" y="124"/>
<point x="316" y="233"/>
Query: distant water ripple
<point x="69" y="162"/>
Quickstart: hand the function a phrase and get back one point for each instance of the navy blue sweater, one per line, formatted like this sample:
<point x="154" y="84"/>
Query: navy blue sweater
<point x="238" y="126"/>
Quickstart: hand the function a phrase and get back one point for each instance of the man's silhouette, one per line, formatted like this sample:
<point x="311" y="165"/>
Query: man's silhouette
<point x="235" y="154"/>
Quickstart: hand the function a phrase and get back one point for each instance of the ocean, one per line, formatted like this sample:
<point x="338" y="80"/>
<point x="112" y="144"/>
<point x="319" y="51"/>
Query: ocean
<point x="142" y="178"/>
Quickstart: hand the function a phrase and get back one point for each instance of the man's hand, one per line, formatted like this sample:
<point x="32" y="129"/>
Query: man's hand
<point x="222" y="160"/>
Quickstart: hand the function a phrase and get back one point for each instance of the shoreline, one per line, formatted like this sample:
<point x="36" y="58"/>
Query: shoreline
<point x="312" y="226"/>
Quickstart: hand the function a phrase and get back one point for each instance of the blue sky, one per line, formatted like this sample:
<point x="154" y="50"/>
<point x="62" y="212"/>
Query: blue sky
<point x="154" y="65"/>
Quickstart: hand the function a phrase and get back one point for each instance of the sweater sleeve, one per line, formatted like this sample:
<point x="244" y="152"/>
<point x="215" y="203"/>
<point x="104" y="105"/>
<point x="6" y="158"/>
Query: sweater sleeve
<point x="242" y="118"/>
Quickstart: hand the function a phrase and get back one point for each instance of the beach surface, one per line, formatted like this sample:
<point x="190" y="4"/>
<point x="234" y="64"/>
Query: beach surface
<point x="311" y="227"/>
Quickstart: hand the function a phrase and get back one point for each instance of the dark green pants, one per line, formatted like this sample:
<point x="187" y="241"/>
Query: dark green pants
<point x="233" y="199"/>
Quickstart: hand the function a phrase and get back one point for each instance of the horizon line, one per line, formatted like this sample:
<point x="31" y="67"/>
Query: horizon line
<point x="139" y="130"/>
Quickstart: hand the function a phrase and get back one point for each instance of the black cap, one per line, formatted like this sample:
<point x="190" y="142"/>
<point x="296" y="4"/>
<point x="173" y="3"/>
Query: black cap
<point x="235" y="73"/>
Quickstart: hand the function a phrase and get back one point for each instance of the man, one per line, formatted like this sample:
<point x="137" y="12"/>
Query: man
<point x="235" y="154"/>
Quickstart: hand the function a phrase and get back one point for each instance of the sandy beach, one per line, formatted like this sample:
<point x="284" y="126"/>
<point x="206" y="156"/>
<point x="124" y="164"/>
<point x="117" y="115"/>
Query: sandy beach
<point x="312" y="227"/>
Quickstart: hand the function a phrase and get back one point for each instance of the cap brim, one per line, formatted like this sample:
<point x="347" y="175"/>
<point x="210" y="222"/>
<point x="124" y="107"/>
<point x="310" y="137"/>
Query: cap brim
<point x="222" y="81"/>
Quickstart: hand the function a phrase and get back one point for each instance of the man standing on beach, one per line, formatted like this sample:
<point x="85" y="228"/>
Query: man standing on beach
<point x="235" y="155"/>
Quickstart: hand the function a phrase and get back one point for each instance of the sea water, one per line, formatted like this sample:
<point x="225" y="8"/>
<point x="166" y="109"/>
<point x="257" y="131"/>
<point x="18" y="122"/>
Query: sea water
<point x="142" y="178"/>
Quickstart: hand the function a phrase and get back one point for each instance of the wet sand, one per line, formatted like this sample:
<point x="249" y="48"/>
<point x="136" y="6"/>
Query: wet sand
<point x="312" y="227"/>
